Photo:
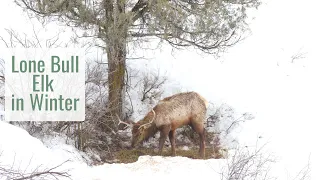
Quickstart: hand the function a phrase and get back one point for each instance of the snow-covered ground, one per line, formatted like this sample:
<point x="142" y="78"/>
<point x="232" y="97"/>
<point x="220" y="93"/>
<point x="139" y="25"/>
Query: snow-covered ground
<point x="20" y="151"/>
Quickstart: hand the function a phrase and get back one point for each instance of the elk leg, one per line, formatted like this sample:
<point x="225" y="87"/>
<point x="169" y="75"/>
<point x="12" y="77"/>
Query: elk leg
<point x="163" y="136"/>
<point x="202" y="143"/>
<point x="201" y="131"/>
<point x="172" y="137"/>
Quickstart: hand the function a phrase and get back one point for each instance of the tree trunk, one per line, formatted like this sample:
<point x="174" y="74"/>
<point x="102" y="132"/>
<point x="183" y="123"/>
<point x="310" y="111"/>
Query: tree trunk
<point x="116" y="35"/>
<point x="116" y="76"/>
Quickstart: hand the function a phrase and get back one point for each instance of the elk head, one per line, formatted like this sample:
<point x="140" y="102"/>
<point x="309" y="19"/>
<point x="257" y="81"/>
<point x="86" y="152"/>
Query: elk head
<point x="141" y="129"/>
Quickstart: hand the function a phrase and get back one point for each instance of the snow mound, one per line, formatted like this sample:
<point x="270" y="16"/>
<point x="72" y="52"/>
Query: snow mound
<point x="20" y="151"/>
<point x="158" y="167"/>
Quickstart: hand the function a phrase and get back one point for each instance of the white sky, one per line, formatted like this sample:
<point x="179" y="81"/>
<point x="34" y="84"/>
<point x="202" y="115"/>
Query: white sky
<point x="256" y="76"/>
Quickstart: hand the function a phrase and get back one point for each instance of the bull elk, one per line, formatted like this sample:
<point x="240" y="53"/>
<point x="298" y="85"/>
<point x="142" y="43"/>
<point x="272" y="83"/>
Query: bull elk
<point x="169" y="114"/>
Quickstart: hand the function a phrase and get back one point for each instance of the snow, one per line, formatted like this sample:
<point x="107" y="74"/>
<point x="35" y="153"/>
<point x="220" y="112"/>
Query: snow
<point x="158" y="167"/>
<point x="23" y="152"/>
<point x="27" y="153"/>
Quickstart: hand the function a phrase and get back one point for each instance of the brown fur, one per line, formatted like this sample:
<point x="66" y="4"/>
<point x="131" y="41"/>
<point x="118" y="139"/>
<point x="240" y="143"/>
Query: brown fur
<point x="171" y="113"/>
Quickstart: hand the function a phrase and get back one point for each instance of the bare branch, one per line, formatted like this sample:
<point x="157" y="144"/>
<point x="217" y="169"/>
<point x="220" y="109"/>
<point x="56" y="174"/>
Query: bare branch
<point x="48" y="173"/>
<point x="151" y="86"/>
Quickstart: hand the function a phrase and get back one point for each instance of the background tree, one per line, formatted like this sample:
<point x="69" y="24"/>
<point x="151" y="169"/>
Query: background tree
<point x="210" y="26"/>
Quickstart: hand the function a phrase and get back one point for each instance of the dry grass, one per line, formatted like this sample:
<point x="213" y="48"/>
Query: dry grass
<point x="129" y="156"/>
